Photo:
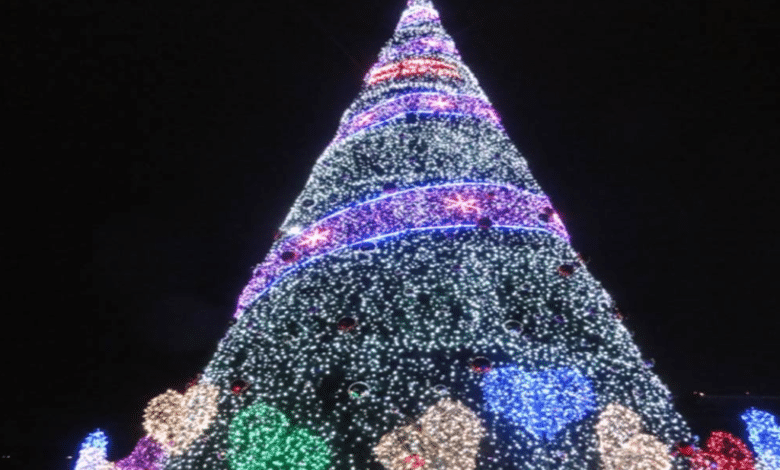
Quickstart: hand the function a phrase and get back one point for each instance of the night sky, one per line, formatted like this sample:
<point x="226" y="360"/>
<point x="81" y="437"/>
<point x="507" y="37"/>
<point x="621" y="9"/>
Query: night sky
<point x="156" y="146"/>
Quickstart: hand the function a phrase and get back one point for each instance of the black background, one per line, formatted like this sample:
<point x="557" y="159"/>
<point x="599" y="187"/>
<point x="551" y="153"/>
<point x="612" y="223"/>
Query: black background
<point x="155" y="146"/>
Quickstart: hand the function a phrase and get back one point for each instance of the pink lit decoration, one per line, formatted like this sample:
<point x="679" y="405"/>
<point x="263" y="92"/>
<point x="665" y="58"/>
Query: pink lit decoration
<point x="315" y="238"/>
<point x="420" y="103"/>
<point x="147" y="455"/>
<point x="415" y="461"/>
<point x="462" y="204"/>
<point x="447" y="206"/>
<point x="414" y="68"/>
<point x="723" y="452"/>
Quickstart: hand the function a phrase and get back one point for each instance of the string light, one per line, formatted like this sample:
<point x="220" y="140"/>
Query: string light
<point x="379" y="295"/>
<point x="447" y="435"/>
<point x="723" y="452"/>
<point x="764" y="433"/>
<point x="426" y="208"/>
<point x="543" y="402"/>
<point x="94" y="452"/>
<point x="623" y="445"/>
<point x="175" y="420"/>
<point x="261" y="437"/>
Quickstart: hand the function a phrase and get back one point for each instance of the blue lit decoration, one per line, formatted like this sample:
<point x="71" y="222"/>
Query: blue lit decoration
<point x="97" y="439"/>
<point x="93" y="452"/>
<point x="764" y="432"/>
<point x="543" y="402"/>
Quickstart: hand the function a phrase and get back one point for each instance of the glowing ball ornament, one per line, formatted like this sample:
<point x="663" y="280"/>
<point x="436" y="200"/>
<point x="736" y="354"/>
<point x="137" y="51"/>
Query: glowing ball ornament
<point x="764" y="433"/>
<point x="239" y="386"/>
<point x="542" y="402"/>
<point x="723" y="452"/>
<point x="447" y="435"/>
<point x="261" y="438"/>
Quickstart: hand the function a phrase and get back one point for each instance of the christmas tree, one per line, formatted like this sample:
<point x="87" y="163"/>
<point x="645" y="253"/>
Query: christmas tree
<point x="421" y="308"/>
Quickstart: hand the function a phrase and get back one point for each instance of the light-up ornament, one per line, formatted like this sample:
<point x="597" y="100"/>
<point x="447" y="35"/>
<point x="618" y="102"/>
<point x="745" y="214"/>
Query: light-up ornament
<point x="462" y="204"/>
<point x="764" y="434"/>
<point x="316" y="237"/>
<point x="541" y="402"/>
<point x="358" y="390"/>
<point x="447" y="435"/>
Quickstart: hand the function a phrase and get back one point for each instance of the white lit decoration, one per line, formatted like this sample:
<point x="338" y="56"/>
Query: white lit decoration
<point x="623" y="445"/>
<point x="175" y="420"/>
<point x="420" y="258"/>
<point x="447" y="435"/>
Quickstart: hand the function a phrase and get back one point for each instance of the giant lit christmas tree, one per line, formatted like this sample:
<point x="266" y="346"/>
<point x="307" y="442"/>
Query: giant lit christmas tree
<point x="421" y="308"/>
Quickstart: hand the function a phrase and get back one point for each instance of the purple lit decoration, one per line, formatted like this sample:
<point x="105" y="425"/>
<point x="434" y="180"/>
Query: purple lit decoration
<point x="764" y="433"/>
<point x="427" y="45"/>
<point x="542" y="402"/>
<point x="147" y="455"/>
<point x="456" y="205"/>
<point x="421" y="103"/>
<point x="418" y="14"/>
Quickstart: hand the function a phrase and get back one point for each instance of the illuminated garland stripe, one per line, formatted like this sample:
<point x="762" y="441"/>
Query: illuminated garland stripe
<point x="413" y="67"/>
<point x="423" y="103"/>
<point x="457" y="205"/>
<point x="419" y="14"/>
<point x="427" y="45"/>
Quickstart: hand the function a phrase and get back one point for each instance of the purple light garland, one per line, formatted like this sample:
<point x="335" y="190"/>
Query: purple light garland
<point x="418" y="14"/>
<point x="456" y="205"/>
<point x="428" y="45"/>
<point x="429" y="102"/>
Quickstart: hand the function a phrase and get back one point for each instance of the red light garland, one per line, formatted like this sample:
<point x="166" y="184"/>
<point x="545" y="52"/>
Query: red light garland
<point x="411" y="68"/>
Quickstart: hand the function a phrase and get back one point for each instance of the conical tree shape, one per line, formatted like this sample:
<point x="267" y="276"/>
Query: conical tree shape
<point x="423" y="308"/>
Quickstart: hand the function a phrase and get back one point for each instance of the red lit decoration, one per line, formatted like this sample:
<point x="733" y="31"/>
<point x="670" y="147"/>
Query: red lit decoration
<point x="347" y="324"/>
<point x="414" y="461"/>
<point x="411" y="68"/>
<point x="238" y="387"/>
<point x="723" y="452"/>
<point x="686" y="450"/>
<point x="481" y="365"/>
<point x="566" y="270"/>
